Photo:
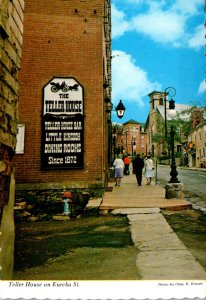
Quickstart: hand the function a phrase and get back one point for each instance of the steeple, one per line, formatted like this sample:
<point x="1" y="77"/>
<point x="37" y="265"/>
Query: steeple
<point x="156" y="98"/>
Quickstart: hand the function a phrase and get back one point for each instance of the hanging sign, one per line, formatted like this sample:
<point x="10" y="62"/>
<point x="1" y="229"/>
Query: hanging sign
<point x="62" y="124"/>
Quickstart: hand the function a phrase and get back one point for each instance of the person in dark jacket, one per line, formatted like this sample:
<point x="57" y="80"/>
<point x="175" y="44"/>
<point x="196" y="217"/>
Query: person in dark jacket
<point x="138" y="165"/>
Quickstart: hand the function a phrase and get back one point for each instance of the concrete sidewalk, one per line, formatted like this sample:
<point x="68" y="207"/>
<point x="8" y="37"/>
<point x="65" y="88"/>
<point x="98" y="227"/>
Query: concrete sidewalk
<point x="161" y="255"/>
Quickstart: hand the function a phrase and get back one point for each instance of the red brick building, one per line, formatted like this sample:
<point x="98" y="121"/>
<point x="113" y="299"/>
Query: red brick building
<point x="65" y="82"/>
<point x="130" y="138"/>
<point x="134" y="138"/>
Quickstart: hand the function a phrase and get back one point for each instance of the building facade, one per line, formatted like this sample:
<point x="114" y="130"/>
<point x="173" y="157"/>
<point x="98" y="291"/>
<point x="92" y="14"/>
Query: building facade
<point x="130" y="138"/>
<point x="11" y="37"/>
<point x="158" y="125"/>
<point x="190" y="127"/>
<point x="134" y="138"/>
<point x="65" y="80"/>
<point x="196" y="147"/>
<point x="154" y="123"/>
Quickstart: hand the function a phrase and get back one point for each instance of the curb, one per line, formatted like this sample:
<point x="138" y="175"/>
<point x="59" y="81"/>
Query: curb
<point x="193" y="169"/>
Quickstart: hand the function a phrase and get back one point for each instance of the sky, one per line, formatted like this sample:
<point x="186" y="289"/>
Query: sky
<point x="157" y="44"/>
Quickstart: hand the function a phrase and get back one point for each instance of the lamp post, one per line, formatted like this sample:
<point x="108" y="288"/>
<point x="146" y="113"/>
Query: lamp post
<point x="133" y="146"/>
<point x="172" y="113"/>
<point x="126" y="134"/>
<point x="173" y="172"/>
<point x="169" y="91"/>
<point x="133" y="142"/>
<point x="120" y="110"/>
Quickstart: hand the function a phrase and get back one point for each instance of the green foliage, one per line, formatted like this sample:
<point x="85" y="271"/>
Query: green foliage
<point x="159" y="135"/>
<point x="96" y="189"/>
<point x="182" y="125"/>
<point x="178" y="154"/>
<point x="184" y="119"/>
<point x="117" y="128"/>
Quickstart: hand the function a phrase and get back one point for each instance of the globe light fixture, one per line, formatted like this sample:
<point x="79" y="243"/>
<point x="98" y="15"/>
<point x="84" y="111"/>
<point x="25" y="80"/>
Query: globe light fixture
<point x="171" y="112"/>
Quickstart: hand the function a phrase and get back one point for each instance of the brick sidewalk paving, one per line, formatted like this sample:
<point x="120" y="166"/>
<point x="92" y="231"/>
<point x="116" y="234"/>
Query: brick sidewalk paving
<point x="130" y="195"/>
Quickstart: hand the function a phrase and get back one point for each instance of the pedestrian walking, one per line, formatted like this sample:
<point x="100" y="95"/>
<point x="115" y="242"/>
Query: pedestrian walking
<point x="119" y="168"/>
<point x="126" y="165"/>
<point x="149" y="169"/>
<point x="138" y="165"/>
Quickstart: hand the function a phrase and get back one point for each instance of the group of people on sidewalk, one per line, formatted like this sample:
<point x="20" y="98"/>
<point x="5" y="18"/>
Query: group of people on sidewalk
<point x="139" y="166"/>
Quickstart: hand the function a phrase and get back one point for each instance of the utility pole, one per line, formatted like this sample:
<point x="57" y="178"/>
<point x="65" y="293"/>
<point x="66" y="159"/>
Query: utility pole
<point x="126" y="133"/>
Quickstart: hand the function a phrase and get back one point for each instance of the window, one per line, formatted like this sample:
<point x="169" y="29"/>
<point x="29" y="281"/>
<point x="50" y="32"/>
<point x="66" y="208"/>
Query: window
<point x="20" y="139"/>
<point x="200" y="135"/>
<point x="179" y="148"/>
<point x="161" y="101"/>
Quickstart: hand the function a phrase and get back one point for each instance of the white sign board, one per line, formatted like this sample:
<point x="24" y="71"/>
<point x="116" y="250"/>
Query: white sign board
<point x="63" y="124"/>
<point x="20" y="139"/>
<point x="63" y="96"/>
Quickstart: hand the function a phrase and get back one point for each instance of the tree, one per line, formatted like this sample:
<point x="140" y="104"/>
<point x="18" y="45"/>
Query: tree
<point x="182" y="123"/>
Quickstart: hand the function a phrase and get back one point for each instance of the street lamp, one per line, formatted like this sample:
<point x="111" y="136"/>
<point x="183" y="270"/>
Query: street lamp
<point x="126" y="133"/>
<point x="169" y="91"/>
<point x="172" y="113"/>
<point x="120" y="109"/>
<point x="116" y="131"/>
<point x="133" y="146"/>
<point x="133" y="142"/>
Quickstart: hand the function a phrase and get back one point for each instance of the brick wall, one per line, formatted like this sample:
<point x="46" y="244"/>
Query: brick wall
<point x="62" y="39"/>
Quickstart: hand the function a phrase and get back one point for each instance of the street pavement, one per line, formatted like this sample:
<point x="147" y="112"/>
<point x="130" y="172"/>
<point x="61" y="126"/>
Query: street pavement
<point x="161" y="254"/>
<point x="198" y="202"/>
<point x="194" y="183"/>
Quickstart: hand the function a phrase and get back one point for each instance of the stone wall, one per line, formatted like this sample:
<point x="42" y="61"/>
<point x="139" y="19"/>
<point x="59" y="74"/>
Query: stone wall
<point x="168" y="161"/>
<point x="46" y="205"/>
<point x="11" y="36"/>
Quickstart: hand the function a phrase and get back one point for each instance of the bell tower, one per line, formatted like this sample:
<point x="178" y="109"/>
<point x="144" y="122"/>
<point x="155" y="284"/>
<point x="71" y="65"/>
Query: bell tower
<point x="156" y="98"/>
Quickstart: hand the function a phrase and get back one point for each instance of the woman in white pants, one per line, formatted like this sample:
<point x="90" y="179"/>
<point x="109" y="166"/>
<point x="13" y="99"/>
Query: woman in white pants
<point x="149" y="173"/>
<point x="119" y="168"/>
